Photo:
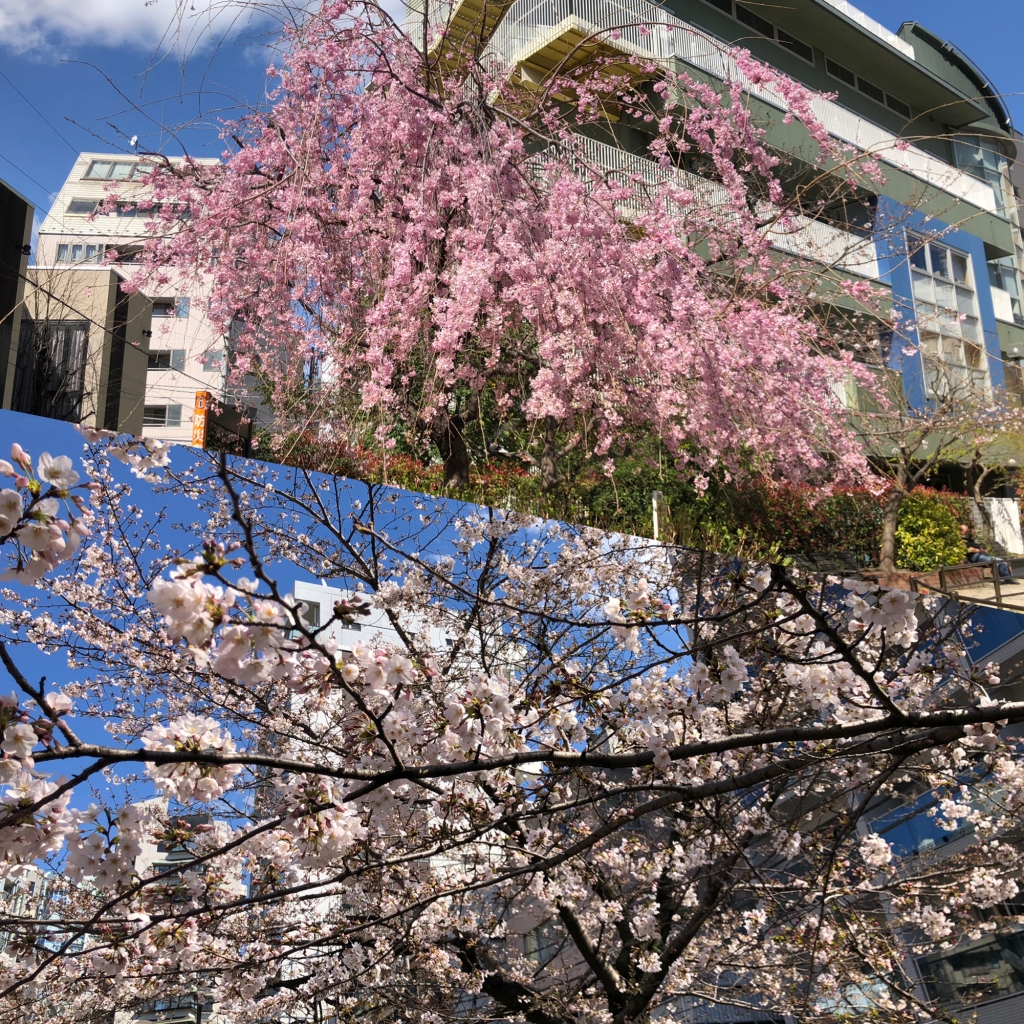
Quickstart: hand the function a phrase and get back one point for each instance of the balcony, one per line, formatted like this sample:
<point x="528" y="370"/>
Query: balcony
<point x="811" y="239"/>
<point x="462" y="26"/>
<point x="537" y="36"/>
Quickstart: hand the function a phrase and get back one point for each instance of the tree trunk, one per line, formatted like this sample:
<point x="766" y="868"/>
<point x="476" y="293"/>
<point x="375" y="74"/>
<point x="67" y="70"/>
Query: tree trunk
<point x="887" y="557"/>
<point x="978" y="476"/>
<point x="450" y="439"/>
<point x="549" y="478"/>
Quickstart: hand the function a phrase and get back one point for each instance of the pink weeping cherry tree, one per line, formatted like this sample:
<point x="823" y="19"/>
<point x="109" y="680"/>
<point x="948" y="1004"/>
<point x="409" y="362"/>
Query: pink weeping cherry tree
<point x="558" y="776"/>
<point x="408" y="247"/>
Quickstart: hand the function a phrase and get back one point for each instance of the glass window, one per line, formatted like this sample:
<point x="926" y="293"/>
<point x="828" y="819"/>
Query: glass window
<point x="83" y="206"/>
<point x="161" y="416"/>
<point x="140" y="170"/>
<point x="76" y="254"/>
<point x="62" y="253"/>
<point x="163" y="308"/>
<point x="939" y="258"/>
<point x="960" y="266"/>
<point x="311" y="613"/>
<point x="98" y="169"/>
<point x="754" y="21"/>
<point x="898" y="105"/>
<point x="112" y="170"/>
<point x="181" y="306"/>
<point x="722" y="5"/>
<point x="951" y="340"/>
<point x="801" y="49"/>
<point x="838" y="71"/>
<point x="160" y="360"/>
<point x="870" y="90"/>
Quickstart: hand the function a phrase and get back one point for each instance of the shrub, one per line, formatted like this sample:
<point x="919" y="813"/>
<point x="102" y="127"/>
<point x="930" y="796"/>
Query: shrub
<point x="928" y="531"/>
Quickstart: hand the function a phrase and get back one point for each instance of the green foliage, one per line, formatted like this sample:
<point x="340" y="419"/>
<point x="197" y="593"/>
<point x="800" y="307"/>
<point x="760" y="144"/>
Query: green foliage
<point x="928" y="530"/>
<point x="760" y="519"/>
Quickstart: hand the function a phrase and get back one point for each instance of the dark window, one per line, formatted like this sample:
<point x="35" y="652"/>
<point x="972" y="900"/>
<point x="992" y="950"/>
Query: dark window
<point x="163" y="308"/>
<point x="840" y="72"/>
<point x="722" y="5"/>
<point x="83" y="206"/>
<point x="898" y="105"/>
<point x="311" y="613"/>
<point x="796" y="46"/>
<point x="870" y="90"/>
<point x="159" y="360"/>
<point x="49" y="375"/>
<point x="755" y="21"/>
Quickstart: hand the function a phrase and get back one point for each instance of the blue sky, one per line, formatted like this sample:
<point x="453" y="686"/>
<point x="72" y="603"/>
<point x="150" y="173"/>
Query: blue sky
<point x="100" y="71"/>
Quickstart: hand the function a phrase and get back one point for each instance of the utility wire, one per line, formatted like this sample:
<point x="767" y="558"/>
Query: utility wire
<point x="39" y="112"/>
<point x="52" y="195"/>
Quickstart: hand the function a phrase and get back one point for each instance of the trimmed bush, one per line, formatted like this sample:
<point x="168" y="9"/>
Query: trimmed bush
<point x="928" y="531"/>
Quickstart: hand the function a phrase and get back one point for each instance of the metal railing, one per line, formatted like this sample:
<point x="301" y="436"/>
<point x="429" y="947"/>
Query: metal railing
<point x="649" y="31"/>
<point x="812" y="239"/>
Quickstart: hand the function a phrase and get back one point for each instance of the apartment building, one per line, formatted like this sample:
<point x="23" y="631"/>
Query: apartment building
<point x="942" y="135"/>
<point x="95" y="228"/>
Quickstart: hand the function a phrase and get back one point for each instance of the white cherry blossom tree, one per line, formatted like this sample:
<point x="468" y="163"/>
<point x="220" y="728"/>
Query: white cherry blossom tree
<point x="628" y="778"/>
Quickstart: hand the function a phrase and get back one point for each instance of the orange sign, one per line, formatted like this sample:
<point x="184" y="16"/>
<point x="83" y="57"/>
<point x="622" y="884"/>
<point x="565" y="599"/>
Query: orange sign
<point x="200" y="416"/>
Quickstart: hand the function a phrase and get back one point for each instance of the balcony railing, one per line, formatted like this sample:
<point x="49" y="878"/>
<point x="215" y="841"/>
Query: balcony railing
<point x="646" y="30"/>
<point x="812" y="239"/>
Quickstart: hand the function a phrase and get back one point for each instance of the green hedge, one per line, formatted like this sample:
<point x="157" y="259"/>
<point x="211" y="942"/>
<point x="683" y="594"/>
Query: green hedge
<point x="757" y="520"/>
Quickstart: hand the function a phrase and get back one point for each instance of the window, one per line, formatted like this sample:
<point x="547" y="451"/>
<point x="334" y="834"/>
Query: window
<point x="177" y="307"/>
<point x="311" y="613"/>
<point x="901" y="108"/>
<point x="981" y="158"/>
<point x="83" y="206"/>
<point x="49" y="375"/>
<point x="745" y="16"/>
<point x="1002" y="274"/>
<point x="72" y="253"/>
<point x="167" y="359"/>
<point x="755" y="21"/>
<point x="949" y="329"/>
<point x="870" y="90"/>
<point x="795" y="45"/>
<point x="116" y="170"/>
<point x="161" y="416"/>
<point x="842" y="73"/>
<point x="214" y="362"/>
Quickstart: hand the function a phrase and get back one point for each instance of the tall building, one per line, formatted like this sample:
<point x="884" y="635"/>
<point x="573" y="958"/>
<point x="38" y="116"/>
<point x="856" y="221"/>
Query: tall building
<point x="941" y="234"/>
<point x="178" y="363"/>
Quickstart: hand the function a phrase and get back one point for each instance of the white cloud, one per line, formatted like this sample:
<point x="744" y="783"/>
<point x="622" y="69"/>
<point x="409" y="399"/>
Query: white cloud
<point x="183" y="24"/>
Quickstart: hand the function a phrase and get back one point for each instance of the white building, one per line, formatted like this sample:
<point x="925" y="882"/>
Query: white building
<point x="187" y="354"/>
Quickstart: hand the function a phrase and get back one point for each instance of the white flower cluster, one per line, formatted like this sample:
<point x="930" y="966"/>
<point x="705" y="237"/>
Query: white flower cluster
<point x="189" y="780"/>
<point x="637" y="604"/>
<point x="892" y="612"/>
<point x="875" y="851"/>
<point x="319" y="827"/>
<point x="27" y="837"/>
<point x="106" y="860"/>
<point x="30" y="512"/>
<point x="141" y="454"/>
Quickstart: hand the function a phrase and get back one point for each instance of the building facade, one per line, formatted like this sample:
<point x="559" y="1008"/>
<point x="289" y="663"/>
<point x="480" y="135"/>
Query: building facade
<point x="96" y="226"/>
<point x="16" y="214"/>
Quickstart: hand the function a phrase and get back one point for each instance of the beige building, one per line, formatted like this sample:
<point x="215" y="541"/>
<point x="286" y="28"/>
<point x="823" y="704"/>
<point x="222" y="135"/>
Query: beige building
<point x="82" y="348"/>
<point x="183" y="353"/>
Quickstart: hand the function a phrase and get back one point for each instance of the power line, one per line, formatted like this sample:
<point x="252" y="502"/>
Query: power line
<point x="39" y="112"/>
<point x="52" y="195"/>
